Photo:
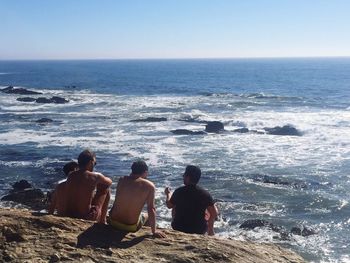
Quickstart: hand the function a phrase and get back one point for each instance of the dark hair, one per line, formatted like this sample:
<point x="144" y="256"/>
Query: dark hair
<point x="194" y="173"/>
<point x="70" y="167"/>
<point x="85" y="157"/>
<point x="139" y="167"/>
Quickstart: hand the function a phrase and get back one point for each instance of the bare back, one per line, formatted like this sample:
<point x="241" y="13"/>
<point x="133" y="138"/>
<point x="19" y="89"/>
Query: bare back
<point x="80" y="191"/>
<point x="131" y="196"/>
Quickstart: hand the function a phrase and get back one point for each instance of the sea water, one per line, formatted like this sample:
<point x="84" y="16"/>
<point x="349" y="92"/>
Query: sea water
<point x="287" y="180"/>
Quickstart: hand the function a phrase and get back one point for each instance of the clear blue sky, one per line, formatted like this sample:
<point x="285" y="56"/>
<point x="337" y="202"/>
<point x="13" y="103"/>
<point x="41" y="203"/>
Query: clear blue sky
<point x="78" y="29"/>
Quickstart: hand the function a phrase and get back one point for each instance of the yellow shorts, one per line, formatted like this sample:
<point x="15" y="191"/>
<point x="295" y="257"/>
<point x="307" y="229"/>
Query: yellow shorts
<point x="128" y="228"/>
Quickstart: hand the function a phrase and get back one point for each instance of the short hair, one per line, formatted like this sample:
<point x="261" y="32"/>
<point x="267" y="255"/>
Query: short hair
<point x="85" y="157"/>
<point x="139" y="167"/>
<point x="70" y="167"/>
<point x="194" y="173"/>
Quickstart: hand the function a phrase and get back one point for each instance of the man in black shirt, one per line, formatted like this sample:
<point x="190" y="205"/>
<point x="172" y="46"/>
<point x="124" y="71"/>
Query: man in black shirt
<point x="190" y="203"/>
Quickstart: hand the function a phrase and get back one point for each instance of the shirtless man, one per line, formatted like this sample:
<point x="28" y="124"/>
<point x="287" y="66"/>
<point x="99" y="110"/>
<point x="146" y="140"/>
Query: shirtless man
<point x="81" y="185"/>
<point x="133" y="192"/>
<point x="58" y="199"/>
<point x="193" y="207"/>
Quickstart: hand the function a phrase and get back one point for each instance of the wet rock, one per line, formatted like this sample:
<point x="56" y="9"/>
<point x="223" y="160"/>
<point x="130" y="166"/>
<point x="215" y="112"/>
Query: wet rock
<point x="285" y="130"/>
<point x="187" y="132"/>
<point x="59" y="100"/>
<point x="241" y="130"/>
<point x="267" y="179"/>
<point x="150" y="119"/>
<point x="214" y="127"/>
<point x="44" y="120"/>
<point x="22" y="91"/>
<point x="25" y="194"/>
<point x="21" y="185"/>
<point x="55" y="99"/>
<point x="43" y="100"/>
<point x="26" y="99"/>
<point x="253" y="223"/>
<point x="304" y="231"/>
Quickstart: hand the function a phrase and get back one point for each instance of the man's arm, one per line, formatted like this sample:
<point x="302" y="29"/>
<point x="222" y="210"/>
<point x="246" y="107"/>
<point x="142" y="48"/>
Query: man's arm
<point x="168" y="196"/>
<point x="103" y="180"/>
<point x="213" y="212"/>
<point x="152" y="212"/>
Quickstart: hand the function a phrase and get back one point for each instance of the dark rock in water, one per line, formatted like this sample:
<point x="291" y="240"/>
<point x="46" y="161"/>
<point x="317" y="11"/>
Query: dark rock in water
<point x="43" y="100"/>
<point x="242" y="130"/>
<point x="21" y="185"/>
<point x="214" y="126"/>
<point x="44" y="120"/>
<point x="22" y="91"/>
<point x="285" y="130"/>
<point x="59" y="100"/>
<point x="54" y="99"/>
<point x="253" y="223"/>
<point x="303" y="232"/>
<point x="150" y="119"/>
<point x="187" y="132"/>
<point x="34" y="198"/>
<point x="26" y="99"/>
<point x="267" y="179"/>
<point x="24" y="193"/>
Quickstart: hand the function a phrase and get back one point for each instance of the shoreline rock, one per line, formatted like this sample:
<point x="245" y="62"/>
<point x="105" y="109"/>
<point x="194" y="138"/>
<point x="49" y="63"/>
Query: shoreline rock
<point x="45" y="238"/>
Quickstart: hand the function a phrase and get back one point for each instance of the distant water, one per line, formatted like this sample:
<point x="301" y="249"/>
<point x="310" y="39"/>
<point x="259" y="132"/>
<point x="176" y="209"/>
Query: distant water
<point x="287" y="180"/>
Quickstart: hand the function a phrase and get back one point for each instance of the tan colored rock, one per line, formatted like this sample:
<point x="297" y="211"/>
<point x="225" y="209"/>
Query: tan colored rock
<point x="25" y="237"/>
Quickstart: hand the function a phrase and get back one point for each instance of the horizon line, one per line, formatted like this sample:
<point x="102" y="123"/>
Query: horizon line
<point x="172" y="58"/>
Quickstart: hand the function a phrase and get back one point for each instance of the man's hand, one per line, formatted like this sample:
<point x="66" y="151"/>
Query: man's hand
<point x="159" y="234"/>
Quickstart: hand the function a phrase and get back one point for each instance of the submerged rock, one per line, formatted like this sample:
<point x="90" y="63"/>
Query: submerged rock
<point x="22" y="91"/>
<point x="285" y="130"/>
<point x="253" y="223"/>
<point x="44" y="120"/>
<point x="303" y="231"/>
<point x="214" y="127"/>
<point x="241" y="130"/>
<point x="187" y="132"/>
<point x="150" y="119"/>
<point x="26" y="99"/>
<point x="43" y="100"/>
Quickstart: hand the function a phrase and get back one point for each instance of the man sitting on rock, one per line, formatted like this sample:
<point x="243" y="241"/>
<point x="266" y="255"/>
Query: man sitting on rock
<point x="190" y="203"/>
<point x="81" y="185"/>
<point x="58" y="196"/>
<point x="133" y="192"/>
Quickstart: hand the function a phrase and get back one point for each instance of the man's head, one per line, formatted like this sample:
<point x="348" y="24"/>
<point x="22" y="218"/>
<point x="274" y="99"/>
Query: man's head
<point x="192" y="175"/>
<point x="87" y="160"/>
<point x="139" y="168"/>
<point x="70" y="167"/>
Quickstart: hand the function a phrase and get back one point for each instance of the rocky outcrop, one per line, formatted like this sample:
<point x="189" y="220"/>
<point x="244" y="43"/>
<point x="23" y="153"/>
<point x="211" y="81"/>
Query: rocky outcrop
<point x="214" y="127"/>
<point x="285" y="234"/>
<point x="46" y="238"/>
<point x="21" y="91"/>
<point x="24" y="193"/>
<point x="285" y="130"/>
<point x="54" y="99"/>
<point x="150" y="119"/>
<point x="26" y="99"/>
<point x="187" y="132"/>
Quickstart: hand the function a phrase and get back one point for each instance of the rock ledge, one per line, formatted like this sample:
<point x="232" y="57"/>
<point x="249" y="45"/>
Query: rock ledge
<point x="33" y="237"/>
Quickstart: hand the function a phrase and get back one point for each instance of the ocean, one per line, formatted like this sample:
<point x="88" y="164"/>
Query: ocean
<point x="287" y="180"/>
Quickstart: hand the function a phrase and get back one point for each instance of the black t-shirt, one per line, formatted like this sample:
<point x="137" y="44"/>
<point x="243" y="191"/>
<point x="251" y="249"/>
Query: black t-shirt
<point x="190" y="202"/>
